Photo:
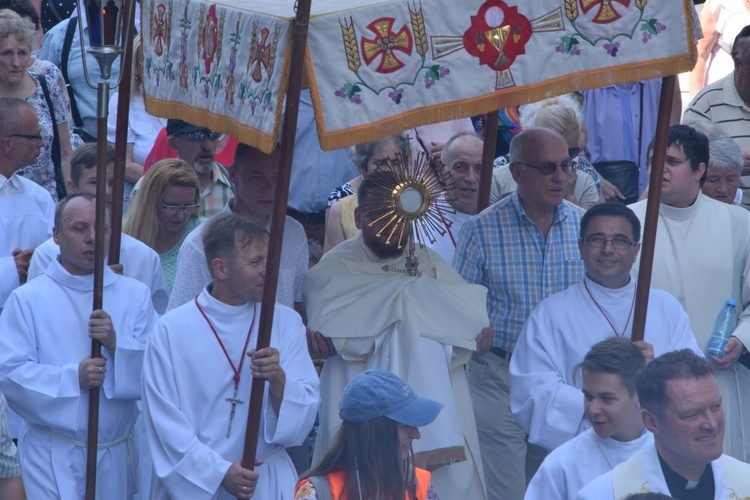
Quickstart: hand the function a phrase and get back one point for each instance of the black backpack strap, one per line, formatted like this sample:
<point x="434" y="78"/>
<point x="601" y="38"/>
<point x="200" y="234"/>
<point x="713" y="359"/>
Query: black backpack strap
<point x="56" y="147"/>
<point x="67" y="44"/>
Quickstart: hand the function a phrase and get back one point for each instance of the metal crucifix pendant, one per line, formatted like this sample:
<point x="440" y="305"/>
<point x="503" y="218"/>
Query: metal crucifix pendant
<point x="235" y="401"/>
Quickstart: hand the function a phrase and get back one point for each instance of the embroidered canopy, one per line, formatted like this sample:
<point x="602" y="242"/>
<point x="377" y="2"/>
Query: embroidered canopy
<point x="379" y="67"/>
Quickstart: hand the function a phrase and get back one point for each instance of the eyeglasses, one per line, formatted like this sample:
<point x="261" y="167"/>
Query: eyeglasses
<point x="200" y="135"/>
<point x="175" y="209"/>
<point x="573" y="152"/>
<point x="618" y="242"/>
<point x="549" y="168"/>
<point x="35" y="138"/>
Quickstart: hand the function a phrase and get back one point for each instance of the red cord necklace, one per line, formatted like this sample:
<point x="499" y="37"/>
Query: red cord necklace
<point x="234" y="400"/>
<point x="630" y="314"/>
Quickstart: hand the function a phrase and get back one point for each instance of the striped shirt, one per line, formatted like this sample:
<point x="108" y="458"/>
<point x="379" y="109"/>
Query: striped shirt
<point x="722" y="105"/>
<point x="502" y="249"/>
<point x="9" y="466"/>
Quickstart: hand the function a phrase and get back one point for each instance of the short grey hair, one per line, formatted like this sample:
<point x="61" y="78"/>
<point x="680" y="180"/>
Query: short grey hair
<point x="445" y="155"/>
<point x="724" y="153"/>
<point x="11" y="24"/>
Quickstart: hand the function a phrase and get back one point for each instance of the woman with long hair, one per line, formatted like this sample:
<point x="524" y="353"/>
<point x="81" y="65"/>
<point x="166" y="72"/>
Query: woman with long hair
<point x="371" y="456"/>
<point x="165" y="211"/>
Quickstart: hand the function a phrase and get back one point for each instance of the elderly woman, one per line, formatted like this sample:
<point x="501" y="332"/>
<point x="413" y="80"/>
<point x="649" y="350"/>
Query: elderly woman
<point x="562" y="115"/>
<point x="367" y="157"/>
<point x="724" y="168"/>
<point x="53" y="165"/>
<point x="165" y="211"/>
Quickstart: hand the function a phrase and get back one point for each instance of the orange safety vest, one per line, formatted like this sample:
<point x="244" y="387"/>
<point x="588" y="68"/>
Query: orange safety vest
<point x="336" y="482"/>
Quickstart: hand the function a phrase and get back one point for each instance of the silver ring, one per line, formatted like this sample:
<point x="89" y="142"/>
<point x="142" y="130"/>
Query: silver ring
<point x="101" y="369"/>
<point x="244" y="489"/>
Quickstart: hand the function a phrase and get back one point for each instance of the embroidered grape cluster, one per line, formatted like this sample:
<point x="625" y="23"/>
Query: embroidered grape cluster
<point x="396" y="95"/>
<point x="612" y="48"/>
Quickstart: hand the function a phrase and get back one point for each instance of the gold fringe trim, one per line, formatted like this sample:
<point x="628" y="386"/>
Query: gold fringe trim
<point x="433" y="460"/>
<point x="499" y="99"/>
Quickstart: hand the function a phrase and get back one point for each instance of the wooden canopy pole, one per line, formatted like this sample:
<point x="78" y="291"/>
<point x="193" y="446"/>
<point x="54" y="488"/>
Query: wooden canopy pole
<point x="121" y="141"/>
<point x="99" y="246"/>
<point x="488" y="159"/>
<point x="289" y="130"/>
<point x="652" y="209"/>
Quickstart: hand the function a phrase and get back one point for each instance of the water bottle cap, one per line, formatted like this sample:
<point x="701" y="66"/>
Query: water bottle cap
<point x="732" y="303"/>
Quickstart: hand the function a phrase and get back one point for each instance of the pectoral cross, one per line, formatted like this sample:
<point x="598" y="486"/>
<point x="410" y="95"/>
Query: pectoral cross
<point x="235" y="401"/>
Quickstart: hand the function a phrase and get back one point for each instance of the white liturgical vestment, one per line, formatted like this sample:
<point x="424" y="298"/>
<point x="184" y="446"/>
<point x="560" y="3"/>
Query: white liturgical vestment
<point x="44" y="338"/>
<point x="186" y="382"/>
<point x="422" y="328"/>
<point x="577" y="462"/>
<point x="138" y="260"/>
<point x="545" y="392"/>
<point x="26" y="218"/>
<point x="642" y="473"/>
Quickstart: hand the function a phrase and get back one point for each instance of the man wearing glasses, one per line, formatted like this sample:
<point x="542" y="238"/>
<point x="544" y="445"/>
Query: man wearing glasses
<point x="197" y="146"/>
<point x="26" y="209"/>
<point x="523" y="249"/>
<point x="701" y="257"/>
<point x="546" y="388"/>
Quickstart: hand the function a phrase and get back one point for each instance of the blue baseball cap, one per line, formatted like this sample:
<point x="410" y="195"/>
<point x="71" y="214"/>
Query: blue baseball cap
<point x="380" y="393"/>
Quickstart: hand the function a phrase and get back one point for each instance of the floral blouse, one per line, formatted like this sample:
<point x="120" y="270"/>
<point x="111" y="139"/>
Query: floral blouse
<point x="306" y="491"/>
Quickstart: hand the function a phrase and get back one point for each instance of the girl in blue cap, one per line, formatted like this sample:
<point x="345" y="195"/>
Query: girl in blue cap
<point x="370" y="457"/>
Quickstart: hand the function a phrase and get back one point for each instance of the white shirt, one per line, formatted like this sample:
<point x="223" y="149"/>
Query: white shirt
<point x="27" y="215"/>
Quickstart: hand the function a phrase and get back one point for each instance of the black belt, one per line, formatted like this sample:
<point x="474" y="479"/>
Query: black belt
<point x="744" y="359"/>
<point x="497" y="351"/>
<point x="315" y="218"/>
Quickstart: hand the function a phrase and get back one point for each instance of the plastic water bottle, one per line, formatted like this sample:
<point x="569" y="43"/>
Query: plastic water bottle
<point x="725" y="324"/>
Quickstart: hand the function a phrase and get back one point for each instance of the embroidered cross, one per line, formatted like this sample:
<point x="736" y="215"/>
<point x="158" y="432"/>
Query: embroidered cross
<point x="261" y="55"/>
<point x="607" y="12"/>
<point x="384" y="44"/>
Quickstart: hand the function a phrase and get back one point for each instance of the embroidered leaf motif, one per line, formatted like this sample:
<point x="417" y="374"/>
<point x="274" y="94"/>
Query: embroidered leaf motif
<point x="420" y="35"/>
<point x="352" y="89"/>
<point x="571" y="9"/>
<point x="433" y="72"/>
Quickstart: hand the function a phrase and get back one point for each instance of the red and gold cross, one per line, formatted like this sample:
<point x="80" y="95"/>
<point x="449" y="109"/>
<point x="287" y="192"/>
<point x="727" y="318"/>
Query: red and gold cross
<point x="385" y="43"/>
<point x="607" y="12"/>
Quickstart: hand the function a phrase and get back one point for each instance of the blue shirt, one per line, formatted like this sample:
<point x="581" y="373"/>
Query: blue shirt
<point x="85" y="96"/>
<point x="314" y="171"/>
<point x="502" y="249"/>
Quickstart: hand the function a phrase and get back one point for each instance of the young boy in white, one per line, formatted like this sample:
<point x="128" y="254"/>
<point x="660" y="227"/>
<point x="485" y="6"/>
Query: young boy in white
<point x="611" y="405"/>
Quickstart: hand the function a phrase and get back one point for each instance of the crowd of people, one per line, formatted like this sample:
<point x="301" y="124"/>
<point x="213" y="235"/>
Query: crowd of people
<point x="501" y="368"/>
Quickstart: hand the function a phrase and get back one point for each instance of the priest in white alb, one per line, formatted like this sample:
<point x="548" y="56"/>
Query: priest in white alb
<point x="46" y="369"/>
<point x="545" y="392"/>
<point x="423" y="328"/>
<point x="198" y="372"/>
